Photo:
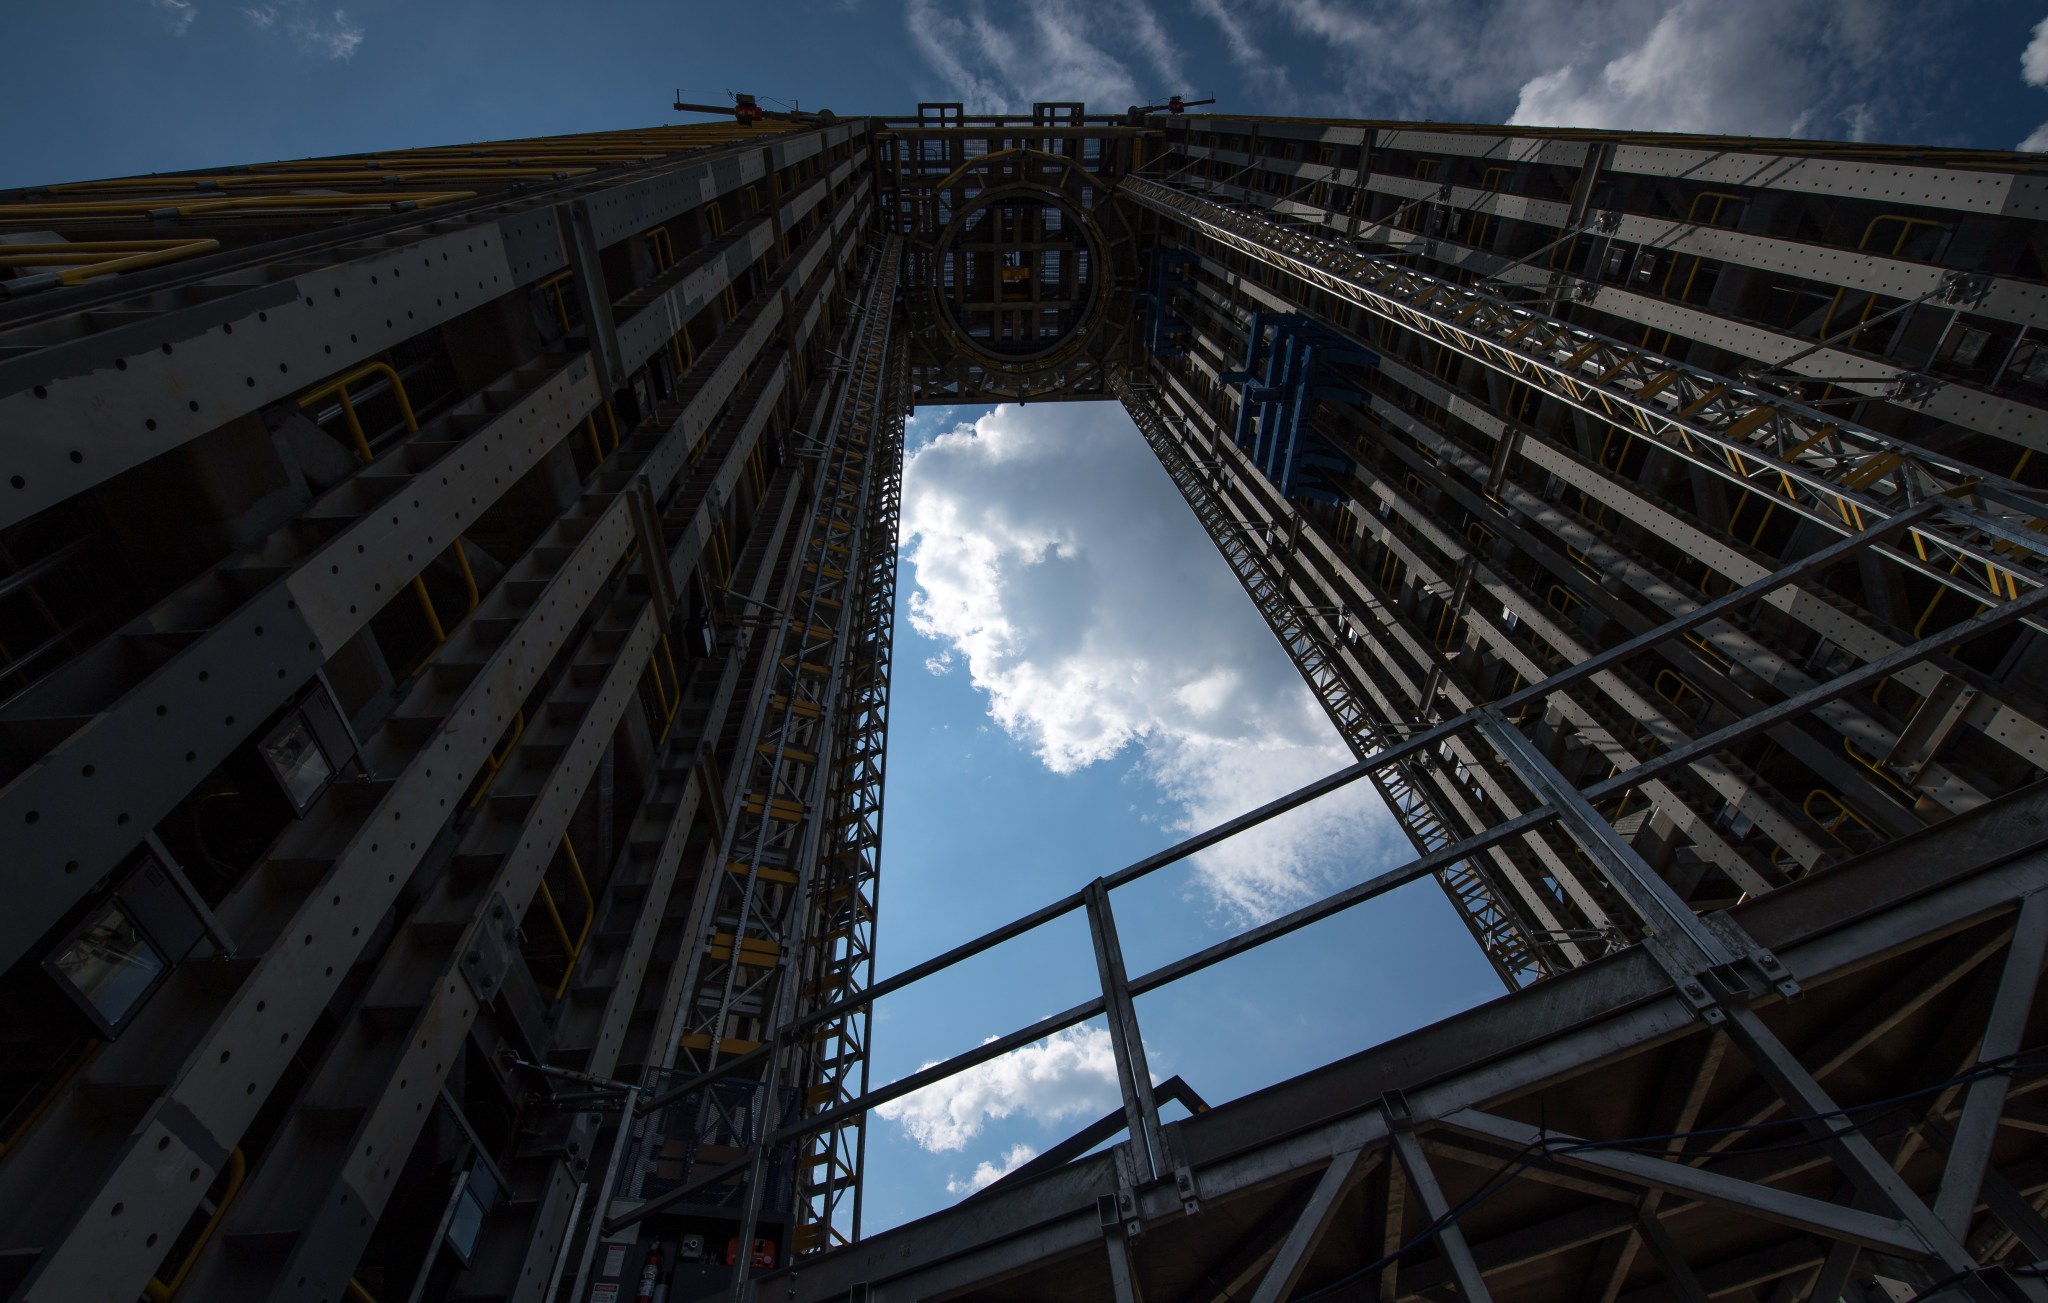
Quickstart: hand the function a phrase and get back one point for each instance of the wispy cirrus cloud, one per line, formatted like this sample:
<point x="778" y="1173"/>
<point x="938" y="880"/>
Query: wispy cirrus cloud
<point x="323" y="33"/>
<point x="1262" y="75"/>
<point x="180" y="14"/>
<point x="1004" y="58"/>
<point x="1759" y="67"/>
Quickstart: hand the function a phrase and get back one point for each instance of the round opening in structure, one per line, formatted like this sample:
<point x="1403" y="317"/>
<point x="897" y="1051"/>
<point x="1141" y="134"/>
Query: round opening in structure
<point x="1019" y="274"/>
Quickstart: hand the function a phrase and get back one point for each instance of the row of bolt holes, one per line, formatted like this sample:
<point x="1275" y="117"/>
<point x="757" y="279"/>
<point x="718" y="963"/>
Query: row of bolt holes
<point x="164" y="1142"/>
<point x="227" y="328"/>
<point x="33" y="816"/>
<point x="284" y="1037"/>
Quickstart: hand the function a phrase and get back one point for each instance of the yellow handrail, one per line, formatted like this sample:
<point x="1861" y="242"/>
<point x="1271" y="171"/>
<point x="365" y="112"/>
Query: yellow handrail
<point x="84" y="259"/>
<point x="597" y="448"/>
<point x="554" y="283"/>
<point x="162" y="1291"/>
<point x="157" y="206"/>
<point x="661" y="248"/>
<point x="358" y="1293"/>
<point x="339" y="389"/>
<point x="671" y="698"/>
<point x="56" y="1088"/>
<point x="572" y="949"/>
<point x="496" y="760"/>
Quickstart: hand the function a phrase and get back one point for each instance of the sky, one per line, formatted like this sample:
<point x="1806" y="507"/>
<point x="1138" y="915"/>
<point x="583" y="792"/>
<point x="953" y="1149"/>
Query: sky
<point x="1078" y="679"/>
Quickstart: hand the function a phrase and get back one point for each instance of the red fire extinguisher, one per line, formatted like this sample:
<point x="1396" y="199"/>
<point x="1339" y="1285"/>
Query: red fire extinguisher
<point x="650" y="1272"/>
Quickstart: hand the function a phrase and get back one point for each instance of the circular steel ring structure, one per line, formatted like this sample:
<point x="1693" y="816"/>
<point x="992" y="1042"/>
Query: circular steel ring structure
<point x="1021" y="274"/>
<point x="1021" y="258"/>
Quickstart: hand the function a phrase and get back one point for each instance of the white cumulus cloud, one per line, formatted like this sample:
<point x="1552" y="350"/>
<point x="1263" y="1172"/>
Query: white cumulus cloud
<point x="1055" y="559"/>
<point x="2034" y="59"/>
<point x="2034" y="71"/>
<point x="1741" y="67"/>
<point x="1067" y="1075"/>
<point x="987" y="1174"/>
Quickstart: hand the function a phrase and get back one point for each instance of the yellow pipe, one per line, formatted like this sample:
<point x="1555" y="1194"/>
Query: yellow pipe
<point x="358" y="1293"/>
<point x="161" y="1291"/>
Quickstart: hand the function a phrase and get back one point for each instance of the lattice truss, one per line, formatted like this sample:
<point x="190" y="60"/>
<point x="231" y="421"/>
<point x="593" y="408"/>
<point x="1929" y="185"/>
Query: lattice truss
<point x="1830" y="471"/>
<point x="1309" y="627"/>
<point x="1541" y="906"/>
<point x="839" y="949"/>
<point x="791" y="907"/>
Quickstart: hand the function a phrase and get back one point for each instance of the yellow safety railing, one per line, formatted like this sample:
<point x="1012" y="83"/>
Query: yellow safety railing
<point x="597" y="448"/>
<point x="159" y="1290"/>
<point x="1561" y="599"/>
<point x="362" y="176"/>
<point x="571" y="950"/>
<point x="496" y="760"/>
<point x="554" y="283"/>
<point x="1831" y="824"/>
<point x="81" y="260"/>
<point x="715" y="218"/>
<point x="720" y="554"/>
<point x="56" y="1088"/>
<point x="661" y="248"/>
<point x="338" y="388"/>
<point x="225" y="205"/>
<point x="1907" y="225"/>
<point x="671" y="697"/>
<point x="358" y="1293"/>
<point x="1721" y="200"/>
<point x="1678" y="691"/>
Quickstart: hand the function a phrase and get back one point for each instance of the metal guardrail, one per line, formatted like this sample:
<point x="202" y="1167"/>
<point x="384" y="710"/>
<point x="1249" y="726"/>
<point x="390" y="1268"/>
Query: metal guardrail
<point x="1715" y="968"/>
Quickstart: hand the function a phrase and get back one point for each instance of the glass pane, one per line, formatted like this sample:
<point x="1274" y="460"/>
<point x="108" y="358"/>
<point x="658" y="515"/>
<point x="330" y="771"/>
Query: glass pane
<point x="111" y="965"/>
<point x="296" y="759"/>
<point x="465" y="1225"/>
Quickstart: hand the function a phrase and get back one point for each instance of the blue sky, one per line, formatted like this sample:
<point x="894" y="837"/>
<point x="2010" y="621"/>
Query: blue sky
<point x="1078" y="680"/>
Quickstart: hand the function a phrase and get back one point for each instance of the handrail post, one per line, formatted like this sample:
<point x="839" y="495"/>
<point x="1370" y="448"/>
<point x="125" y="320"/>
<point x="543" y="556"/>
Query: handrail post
<point x="1134" y="1077"/>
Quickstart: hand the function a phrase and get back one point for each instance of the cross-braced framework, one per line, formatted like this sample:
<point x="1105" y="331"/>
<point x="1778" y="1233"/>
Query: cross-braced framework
<point x="445" y="607"/>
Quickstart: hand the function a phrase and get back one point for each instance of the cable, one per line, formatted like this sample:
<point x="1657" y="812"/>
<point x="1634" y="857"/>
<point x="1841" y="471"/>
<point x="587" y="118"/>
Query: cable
<point x="1545" y="1146"/>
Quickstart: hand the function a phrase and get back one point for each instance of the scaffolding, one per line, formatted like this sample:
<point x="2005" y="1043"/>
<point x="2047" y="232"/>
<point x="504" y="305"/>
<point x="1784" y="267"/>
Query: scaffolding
<point x="445" y="613"/>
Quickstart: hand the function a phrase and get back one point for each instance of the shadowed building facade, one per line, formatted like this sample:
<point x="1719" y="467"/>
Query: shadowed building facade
<point x="445" y="614"/>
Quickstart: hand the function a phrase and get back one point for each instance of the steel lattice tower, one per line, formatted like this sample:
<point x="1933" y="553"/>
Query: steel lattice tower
<point x="445" y="613"/>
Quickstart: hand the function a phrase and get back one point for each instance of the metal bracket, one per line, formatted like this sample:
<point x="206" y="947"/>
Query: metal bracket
<point x="1125" y="1200"/>
<point x="491" y="950"/>
<point x="1913" y="387"/>
<point x="1960" y="287"/>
